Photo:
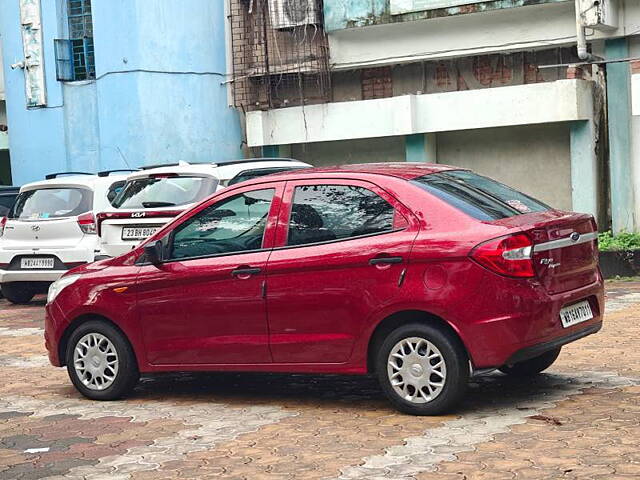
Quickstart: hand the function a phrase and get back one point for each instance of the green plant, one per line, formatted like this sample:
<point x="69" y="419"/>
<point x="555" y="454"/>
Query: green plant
<point x="608" y="242"/>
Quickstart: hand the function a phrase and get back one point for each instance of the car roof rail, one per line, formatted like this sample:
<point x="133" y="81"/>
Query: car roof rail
<point x="258" y="159"/>
<point x="106" y="173"/>
<point x="51" y="176"/>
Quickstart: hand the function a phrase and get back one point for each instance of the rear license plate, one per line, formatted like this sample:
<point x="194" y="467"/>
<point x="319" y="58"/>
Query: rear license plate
<point x="138" y="233"/>
<point x="35" y="263"/>
<point x="576" y="313"/>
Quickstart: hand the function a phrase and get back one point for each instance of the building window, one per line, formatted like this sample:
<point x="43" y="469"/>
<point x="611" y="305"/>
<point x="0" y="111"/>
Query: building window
<point x="81" y="39"/>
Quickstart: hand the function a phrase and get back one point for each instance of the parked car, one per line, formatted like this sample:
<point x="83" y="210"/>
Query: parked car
<point x="7" y="199"/>
<point x="422" y="274"/>
<point x="50" y="229"/>
<point x="155" y="195"/>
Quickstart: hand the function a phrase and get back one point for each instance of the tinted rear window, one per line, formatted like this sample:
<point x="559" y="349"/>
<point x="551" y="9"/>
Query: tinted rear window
<point x="52" y="203"/>
<point x="478" y="196"/>
<point x="155" y="192"/>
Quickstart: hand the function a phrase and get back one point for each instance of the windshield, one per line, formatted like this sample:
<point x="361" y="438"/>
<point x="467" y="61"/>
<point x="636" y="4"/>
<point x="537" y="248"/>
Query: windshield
<point x="478" y="196"/>
<point x="155" y="192"/>
<point x="52" y="203"/>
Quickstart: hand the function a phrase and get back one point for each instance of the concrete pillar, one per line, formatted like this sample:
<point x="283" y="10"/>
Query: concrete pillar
<point x="584" y="168"/>
<point x="421" y="147"/>
<point x="619" y="115"/>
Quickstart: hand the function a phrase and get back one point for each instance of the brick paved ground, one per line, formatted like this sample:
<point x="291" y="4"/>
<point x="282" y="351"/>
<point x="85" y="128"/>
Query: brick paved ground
<point x="581" y="420"/>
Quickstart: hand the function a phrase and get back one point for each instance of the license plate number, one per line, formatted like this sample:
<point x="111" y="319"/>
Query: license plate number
<point x="576" y="313"/>
<point x="36" y="263"/>
<point x="138" y="233"/>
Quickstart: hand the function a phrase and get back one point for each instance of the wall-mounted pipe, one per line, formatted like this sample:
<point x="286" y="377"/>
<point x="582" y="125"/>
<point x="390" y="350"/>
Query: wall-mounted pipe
<point x="583" y="53"/>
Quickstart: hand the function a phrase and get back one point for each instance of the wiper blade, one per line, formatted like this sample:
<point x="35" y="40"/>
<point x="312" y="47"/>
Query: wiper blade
<point x="157" y="204"/>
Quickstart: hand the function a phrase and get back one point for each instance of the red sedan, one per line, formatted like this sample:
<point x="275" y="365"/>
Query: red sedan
<point x="421" y="274"/>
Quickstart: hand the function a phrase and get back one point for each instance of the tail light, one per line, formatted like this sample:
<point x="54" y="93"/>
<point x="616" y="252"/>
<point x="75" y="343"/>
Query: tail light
<point x="87" y="223"/>
<point x="3" y="222"/>
<point x="511" y="256"/>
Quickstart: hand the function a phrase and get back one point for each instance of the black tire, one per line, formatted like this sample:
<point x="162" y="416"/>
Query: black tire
<point x="455" y="360"/>
<point x="18" y="292"/>
<point x="532" y="366"/>
<point x="127" y="374"/>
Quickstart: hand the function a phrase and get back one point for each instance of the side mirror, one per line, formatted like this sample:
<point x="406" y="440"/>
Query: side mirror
<point x="153" y="252"/>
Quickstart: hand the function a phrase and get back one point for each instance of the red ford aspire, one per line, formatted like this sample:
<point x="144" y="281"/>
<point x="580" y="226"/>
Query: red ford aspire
<point x="422" y="274"/>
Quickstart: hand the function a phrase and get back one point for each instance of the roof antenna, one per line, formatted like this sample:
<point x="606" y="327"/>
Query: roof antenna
<point x="124" y="158"/>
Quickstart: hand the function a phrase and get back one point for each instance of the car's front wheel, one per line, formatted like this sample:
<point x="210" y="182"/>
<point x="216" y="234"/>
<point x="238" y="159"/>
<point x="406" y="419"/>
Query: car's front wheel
<point x="422" y="369"/>
<point x="532" y="366"/>
<point x="18" y="292"/>
<point x="101" y="362"/>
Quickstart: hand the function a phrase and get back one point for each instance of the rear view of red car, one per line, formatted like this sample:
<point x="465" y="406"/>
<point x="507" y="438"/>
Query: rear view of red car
<point x="421" y="274"/>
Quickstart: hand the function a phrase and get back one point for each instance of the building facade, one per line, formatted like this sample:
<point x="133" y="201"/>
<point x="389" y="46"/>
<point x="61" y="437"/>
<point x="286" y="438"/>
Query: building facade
<point x="498" y="86"/>
<point x="107" y="84"/>
<point x="5" y="165"/>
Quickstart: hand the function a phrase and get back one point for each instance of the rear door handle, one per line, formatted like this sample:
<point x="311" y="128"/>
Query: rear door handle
<point x="385" y="260"/>
<point x="245" y="271"/>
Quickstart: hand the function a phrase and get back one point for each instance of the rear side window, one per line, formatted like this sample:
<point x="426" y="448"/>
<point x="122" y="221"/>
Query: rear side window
<point x="322" y="213"/>
<point x="52" y="203"/>
<point x="6" y="202"/>
<point x="166" y="191"/>
<point x="480" y="197"/>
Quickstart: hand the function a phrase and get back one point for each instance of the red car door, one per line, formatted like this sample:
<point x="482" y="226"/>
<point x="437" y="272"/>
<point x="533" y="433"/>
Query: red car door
<point x="205" y="304"/>
<point x="341" y="251"/>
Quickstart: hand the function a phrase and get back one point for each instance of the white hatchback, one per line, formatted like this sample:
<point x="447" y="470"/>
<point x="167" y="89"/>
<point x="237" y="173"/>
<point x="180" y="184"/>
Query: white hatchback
<point x="155" y="195"/>
<point x="51" y="229"/>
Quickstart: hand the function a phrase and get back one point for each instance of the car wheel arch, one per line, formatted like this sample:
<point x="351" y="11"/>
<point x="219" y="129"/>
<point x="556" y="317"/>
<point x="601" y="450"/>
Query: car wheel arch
<point x="80" y="320"/>
<point x="406" y="317"/>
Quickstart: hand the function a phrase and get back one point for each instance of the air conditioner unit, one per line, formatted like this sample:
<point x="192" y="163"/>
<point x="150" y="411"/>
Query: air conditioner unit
<point x="599" y="14"/>
<point x="293" y="13"/>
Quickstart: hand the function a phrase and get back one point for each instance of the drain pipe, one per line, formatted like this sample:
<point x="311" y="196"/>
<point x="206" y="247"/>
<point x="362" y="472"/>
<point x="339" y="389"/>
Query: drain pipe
<point x="583" y="53"/>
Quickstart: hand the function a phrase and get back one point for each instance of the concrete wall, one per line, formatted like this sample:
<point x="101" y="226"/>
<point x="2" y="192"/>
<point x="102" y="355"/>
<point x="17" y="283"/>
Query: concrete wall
<point x="386" y="149"/>
<point x="499" y="30"/>
<point x="159" y="94"/>
<point x="534" y="159"/>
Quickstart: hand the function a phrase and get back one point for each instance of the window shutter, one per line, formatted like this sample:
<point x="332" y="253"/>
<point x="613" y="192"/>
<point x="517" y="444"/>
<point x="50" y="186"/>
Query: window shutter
<point x="64" y="60"/>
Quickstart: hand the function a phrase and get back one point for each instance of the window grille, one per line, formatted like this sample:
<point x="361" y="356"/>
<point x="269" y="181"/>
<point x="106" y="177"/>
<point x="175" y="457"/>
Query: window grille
<point x="80" y="44"/>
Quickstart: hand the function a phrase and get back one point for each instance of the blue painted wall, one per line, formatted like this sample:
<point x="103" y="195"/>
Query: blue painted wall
<point x="159" y="94"/>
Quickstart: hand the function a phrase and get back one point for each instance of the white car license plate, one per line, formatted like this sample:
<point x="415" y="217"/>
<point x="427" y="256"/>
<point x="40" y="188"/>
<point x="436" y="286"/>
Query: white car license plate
<point x="576" y="313"/>
<point x="138" y="233"/>
<point x="35" y="263"/>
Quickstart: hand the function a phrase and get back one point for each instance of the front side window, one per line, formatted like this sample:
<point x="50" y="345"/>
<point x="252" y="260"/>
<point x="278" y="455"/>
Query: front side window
<point x="479" y="197"/>
<point x="234" y="225"/>
<point x="49" y="203"/>
<point x="322" y="213"/>
<point x="164" y="191"/>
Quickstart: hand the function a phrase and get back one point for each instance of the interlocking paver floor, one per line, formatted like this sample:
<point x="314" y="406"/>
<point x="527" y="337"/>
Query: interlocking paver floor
<point x="579" y="420"/>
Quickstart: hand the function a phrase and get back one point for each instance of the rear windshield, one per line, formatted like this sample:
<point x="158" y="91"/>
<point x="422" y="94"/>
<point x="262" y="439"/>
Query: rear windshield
<point x="258" y="172"/>
<point x="52" y="203"/>
<point x="478" y="196"/>
<point x="155" y="192"/>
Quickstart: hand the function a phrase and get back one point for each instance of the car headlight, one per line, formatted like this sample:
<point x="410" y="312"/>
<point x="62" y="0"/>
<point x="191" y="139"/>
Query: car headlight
<point x="59" y="285"/>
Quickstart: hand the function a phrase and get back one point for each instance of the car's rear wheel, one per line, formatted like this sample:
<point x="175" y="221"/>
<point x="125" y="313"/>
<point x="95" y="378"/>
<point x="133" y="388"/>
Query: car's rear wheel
<point x="423" y="370"/>
<point x="101" y="362"/>
<point x="18" y="292"/>
<point x="532" y="366"/>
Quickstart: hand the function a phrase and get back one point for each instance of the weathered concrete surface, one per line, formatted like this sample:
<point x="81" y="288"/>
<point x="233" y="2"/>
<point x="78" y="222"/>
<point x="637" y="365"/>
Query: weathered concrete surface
<point x="581" y="420"/>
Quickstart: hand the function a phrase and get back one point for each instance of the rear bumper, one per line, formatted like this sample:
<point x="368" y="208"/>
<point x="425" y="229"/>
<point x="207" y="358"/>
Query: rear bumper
<point x="533" y="351"/>
<point x="525" y="323"/>
<point x="7" y="276"/>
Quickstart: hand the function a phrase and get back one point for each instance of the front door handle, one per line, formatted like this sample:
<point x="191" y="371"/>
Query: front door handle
<point x="245" y="271"/>
<point x="385" y="260"/>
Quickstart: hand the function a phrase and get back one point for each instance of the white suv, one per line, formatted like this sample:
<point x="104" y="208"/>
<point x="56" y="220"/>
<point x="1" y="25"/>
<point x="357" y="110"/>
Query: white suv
<point x="51" y="229"/>
<point x="155" y="195"/>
